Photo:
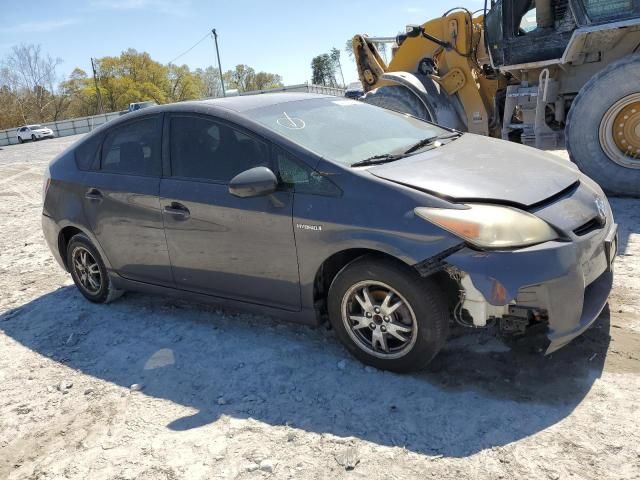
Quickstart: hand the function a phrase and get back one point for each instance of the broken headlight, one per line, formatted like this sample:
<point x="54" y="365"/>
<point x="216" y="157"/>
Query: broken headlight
<point x="491" y="226"/>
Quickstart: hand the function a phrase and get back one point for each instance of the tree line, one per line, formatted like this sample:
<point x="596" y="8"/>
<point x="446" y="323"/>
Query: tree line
<point x="31" y="90"/>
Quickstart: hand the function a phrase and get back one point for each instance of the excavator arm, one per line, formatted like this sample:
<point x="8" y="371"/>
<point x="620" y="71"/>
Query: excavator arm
<point x="444" y="55"/>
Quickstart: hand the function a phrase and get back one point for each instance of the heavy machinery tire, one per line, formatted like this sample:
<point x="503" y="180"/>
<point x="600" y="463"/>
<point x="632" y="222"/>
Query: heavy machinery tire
<point x="397" y="98"/>
<point x="409" y="313"/>
<point x="604" y="118"/>
<point x="438" y="107"/>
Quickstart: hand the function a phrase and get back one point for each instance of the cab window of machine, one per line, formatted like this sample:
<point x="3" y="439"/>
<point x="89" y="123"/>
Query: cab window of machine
<point x="528" y="23"/>
<point x="604" y="9"/>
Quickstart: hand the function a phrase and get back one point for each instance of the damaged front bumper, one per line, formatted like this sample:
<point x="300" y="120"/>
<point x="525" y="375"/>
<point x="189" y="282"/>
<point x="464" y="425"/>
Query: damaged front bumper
<point x="565" y="284"/>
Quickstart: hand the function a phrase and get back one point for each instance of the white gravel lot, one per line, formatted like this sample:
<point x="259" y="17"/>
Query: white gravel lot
<point x="225" y="395"/>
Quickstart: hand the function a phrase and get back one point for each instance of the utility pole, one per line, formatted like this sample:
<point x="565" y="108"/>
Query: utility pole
<point x="215" y="38"/>
<point x="95" y="81"/>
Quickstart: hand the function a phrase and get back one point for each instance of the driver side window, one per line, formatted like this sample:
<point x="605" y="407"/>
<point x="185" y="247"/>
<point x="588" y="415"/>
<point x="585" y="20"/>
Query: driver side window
<point x="204" y="149"/>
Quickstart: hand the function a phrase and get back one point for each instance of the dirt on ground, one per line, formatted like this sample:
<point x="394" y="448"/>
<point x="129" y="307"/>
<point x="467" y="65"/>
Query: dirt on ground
<point x="155" y="388"/>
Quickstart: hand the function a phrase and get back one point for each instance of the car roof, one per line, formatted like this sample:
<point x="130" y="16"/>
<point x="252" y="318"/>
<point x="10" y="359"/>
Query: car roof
<point x="237" y="104"/>
<point x="243" y="103"/>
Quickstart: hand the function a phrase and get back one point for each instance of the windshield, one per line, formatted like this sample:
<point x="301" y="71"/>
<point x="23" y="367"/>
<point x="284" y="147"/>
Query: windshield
<point x="345" y="131"/>
<point x="36" y="127"/>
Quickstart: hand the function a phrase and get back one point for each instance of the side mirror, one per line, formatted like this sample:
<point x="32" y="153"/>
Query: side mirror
<point x="254" y="182"/>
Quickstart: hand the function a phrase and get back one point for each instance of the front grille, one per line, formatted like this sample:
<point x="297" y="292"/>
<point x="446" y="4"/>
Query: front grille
<point x="596" y="223"/>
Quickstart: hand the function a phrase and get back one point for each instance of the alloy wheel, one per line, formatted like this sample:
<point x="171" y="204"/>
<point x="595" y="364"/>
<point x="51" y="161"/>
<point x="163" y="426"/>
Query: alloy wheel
<point x="379" y="319"/>
<point x="87" y="270"/>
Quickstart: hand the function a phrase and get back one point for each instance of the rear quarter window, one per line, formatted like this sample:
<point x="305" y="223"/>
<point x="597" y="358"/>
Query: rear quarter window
<point x="88" y="153"/>
<point x="133" y="148"/>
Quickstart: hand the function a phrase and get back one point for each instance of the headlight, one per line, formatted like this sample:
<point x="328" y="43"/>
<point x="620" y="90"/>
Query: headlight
<point x="491" y="226"/>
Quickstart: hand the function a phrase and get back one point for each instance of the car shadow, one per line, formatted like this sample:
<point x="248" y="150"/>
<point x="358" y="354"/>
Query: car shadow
<point x="478" y="394"/>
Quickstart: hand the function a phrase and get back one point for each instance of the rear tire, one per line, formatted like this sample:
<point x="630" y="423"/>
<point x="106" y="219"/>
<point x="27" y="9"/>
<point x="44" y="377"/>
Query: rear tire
<point x="416" y="311"/>
<point x="20" y="140"/>
<point x="89" y="272"/>
<point x="587" y="123"/>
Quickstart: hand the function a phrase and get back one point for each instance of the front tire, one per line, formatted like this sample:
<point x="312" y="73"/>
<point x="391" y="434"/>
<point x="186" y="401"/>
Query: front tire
<point x="387" y="315"/>
<point x="603" y="128"/>
<point x="89" y="272"/>
<point x="33" y="138"/>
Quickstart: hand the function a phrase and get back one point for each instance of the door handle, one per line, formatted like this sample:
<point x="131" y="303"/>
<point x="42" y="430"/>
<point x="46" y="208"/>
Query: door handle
<point x="93" y="194"/>
<point x="177" y="210"/>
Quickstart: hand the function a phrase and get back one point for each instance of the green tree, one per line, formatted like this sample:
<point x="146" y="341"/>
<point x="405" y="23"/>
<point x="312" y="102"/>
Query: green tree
<point x="337" y="65"/>
<point x="266" y="81"/>
<point x="184" y="84"/>
<point x="132" y="77"/>
<point x="322" y="70"/>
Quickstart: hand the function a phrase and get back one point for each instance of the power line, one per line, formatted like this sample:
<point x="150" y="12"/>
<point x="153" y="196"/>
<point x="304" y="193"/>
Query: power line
<point x="192" y="47"/>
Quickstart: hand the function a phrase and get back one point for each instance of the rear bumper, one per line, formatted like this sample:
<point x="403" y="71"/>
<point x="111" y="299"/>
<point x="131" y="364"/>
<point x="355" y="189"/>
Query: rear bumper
<point x="568" y="282"/>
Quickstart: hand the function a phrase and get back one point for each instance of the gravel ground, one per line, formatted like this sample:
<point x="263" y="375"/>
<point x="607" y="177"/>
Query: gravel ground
<point x="154" y="388"/>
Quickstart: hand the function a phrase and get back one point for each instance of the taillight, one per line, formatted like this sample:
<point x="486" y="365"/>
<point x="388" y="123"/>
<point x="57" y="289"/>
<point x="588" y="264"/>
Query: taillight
<point x="45" y="188"/>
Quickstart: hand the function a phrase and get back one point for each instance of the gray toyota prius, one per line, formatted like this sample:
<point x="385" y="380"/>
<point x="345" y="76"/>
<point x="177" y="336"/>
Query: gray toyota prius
<point x="310" y="207"/>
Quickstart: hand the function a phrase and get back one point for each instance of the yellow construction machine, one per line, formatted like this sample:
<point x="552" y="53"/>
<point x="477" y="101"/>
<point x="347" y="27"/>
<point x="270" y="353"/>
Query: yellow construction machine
<point x="547" y="73"/>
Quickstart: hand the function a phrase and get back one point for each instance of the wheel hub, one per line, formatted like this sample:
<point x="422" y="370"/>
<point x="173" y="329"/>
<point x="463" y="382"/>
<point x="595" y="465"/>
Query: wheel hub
<point x="627" y="129"/>
<point x="87" y="270"/>
<point x="379" y="320"/>
<point x="619" y="133"/>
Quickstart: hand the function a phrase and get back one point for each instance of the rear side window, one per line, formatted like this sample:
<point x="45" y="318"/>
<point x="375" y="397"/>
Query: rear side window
<point x="134" y="148"/>
<point x="202" y="148"/>
<point x="88" y="153"/>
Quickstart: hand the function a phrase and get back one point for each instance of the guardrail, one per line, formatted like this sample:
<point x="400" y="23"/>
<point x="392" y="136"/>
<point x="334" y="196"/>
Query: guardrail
<point x="74" y="126"/>
<point x="63" y="128"/>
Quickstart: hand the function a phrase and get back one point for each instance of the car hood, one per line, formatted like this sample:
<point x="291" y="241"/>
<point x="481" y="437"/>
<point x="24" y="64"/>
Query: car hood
<point x="475" y="168"/>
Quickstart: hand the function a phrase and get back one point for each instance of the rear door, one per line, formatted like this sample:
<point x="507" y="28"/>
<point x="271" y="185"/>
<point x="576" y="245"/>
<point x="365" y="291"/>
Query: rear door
<point x="121" y="201"/>
<point x="239" y="248"/>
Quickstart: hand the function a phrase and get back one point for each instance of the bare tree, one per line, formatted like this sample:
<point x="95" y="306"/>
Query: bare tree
<point x="210" y="77"/>
<point x="32" y="77"/>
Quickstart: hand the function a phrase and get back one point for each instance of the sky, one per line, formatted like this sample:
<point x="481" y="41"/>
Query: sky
<point x="276" y="36"/>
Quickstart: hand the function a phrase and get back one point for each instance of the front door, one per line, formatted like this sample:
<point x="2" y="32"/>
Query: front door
<point x="122" y="205"/>
<point x="239" y="248"/>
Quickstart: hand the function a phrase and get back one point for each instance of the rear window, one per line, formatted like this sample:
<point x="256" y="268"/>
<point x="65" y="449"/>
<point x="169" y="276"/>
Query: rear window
<point x="134" y="148"/>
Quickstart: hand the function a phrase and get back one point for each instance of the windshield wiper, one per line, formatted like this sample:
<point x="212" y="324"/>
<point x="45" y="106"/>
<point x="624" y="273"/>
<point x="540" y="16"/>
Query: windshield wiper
<point x="378" y="159"/>
<point x="430" y="140"/>
<point x="392" y="157"/>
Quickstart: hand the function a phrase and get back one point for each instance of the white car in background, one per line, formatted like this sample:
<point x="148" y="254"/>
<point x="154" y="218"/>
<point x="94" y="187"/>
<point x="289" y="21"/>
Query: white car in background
<point x="33" y="133"/>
